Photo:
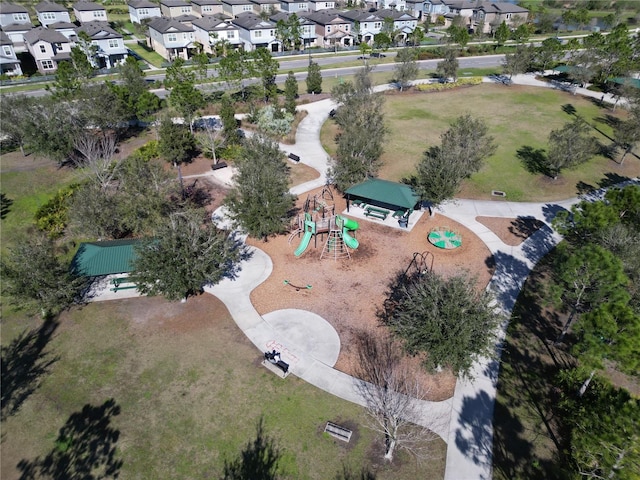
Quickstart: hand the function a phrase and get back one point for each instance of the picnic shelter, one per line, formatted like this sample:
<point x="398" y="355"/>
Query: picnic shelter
<point x="97" y="259"/>
<point x="384" y="194"/>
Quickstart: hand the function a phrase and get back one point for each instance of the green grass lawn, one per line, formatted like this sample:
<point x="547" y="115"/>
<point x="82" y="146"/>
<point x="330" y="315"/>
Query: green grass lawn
<point x="153" y="58"/>
<point x="517" y="116"/>
<point x="190" y="389"/>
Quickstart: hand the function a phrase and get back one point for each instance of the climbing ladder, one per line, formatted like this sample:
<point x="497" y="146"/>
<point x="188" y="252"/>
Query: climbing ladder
<point x="334" y="247"/>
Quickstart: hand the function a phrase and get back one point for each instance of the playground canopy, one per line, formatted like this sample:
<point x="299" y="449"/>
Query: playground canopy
<point x="384" y="193"/>
<point x="94" y="259"/>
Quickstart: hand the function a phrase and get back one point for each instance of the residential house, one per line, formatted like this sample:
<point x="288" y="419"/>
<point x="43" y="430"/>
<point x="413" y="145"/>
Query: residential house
<point x="332" y="29"/>
<point x="307" y="27"/>
<point x="203" y="8"/>
<point x="459" y="8"/>
<point x="141" y="10"/>
<point x="67" y="29"/>
<point x="400" y="5"/>
<point x="86" y="11"/>
<point x="487" y="17"/>
<point x="434" y="8"/>
<point x="49" y="12"/>
<point x="256" y="32"/>
<point x="365" y="24"/>
<point x="9" y="63"/>
<point x="186" y="19"/>
<point x="209" y="31"/>
<point x="111" y="50"/>
<point x="268" y="6"/>
<point x="234" y="8"/>
<point x="170" y="38"/>
<point x="48" y="48"/>
<point x="294" y="6"/>
<point x="174" y="8"/>
<point x="317" y="5"/>
<point x="16" y="32"/>
<point x="403" y="24"/>
<point x="416" y="8"/>
<point x="11" y="14"/>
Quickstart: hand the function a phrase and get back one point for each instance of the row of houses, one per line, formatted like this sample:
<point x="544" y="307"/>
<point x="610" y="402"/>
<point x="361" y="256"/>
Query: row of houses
<point x="174" y="38"/>
<point x="177" y="28"/>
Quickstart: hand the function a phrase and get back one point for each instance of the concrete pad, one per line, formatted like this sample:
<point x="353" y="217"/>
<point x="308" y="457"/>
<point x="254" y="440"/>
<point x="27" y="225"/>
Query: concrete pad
<point x="358" y="212"/>
<point x="306" y="332"/>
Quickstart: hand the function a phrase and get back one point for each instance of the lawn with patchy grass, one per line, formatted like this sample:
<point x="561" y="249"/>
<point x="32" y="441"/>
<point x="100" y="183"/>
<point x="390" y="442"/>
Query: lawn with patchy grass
<point x="153" y="58"/>
<point x="190" y="389"/>
<point x="517" y="116"/>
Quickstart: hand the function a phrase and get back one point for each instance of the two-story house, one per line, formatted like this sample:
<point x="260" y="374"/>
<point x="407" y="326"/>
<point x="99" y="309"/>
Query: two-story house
<point x="365" y="24"/>
<point x="174" y="8"/>
<point x="66" y="29"/>
<point x="488" y="16"/>
<point x="459" y="8"/>
<point x="307" y="27"/>
<point x="403" y="24"/>
<point x="49" y="12"/>
<point x="256" y="32"/>
<point x="268" y="6"/>
<point x="331" y="28"/>
<point x="415" y="8"/>
<point x="317" y="5"/>
<point x="48" y="48"/>
<point x="400" y="5"/>
<point x="233" y="8"/>
<point x="434" y="9"/>
<point x="204" y="8"/>
<point x="294" y="6"/>
<point x="11" y="14"/>
<point x="141" y="10"/>
<point x="111" y="50"/>
<point x="86" y="11"/>
<point x="16" y="33"/>
<point x="210" y="32"/>
<point x="9" y="63"/>
<point x="170" y="38"/>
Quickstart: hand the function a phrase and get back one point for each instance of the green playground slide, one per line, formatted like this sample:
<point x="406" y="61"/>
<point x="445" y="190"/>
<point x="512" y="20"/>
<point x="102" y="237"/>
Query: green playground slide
<point x="347" y="226"/>
<point x="350" y="224"/>
<point x="304" y="243"/>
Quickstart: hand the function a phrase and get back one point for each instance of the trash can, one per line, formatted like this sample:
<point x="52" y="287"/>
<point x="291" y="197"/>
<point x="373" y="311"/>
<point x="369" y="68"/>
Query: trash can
<point x="403" y="222"/>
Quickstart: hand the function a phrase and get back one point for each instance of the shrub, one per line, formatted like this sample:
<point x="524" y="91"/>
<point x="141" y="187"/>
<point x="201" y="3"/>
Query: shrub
<point x="52" y="217"/>
<point x="147" y="152"/>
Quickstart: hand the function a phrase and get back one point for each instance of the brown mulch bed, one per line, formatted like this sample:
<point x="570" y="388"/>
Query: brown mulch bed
<point x="512" y="231"/>
<point x="347" y="293"/>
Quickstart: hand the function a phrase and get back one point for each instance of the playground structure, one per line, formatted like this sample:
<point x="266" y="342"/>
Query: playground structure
<point x="445" y="238"/>
<point x="339" y="230"/>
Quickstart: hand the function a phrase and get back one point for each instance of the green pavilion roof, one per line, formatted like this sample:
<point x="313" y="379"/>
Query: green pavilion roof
<point x="634" y="82"/>
<point x="384" y="191"/>
<point x="94" y="259"/>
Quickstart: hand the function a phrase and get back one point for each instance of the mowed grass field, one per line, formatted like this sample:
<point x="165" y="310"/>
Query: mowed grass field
<point x="517" y="116"/>
<point x="190" y="389"/>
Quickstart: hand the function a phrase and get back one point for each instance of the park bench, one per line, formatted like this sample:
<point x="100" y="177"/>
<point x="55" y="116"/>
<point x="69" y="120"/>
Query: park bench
<point x="294" y="157"/>
<point x="118" y="281"/>
<point x="376" y="213"/>
<point x="358" y="203"/>
<point x="336" y="431"/>
<point x="273" y="362"/>
<point x="218" y="166"/>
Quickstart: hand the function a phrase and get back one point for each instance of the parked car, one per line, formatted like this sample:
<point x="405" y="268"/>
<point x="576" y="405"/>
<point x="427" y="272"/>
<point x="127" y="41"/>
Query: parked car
<point x="378" y="55"/>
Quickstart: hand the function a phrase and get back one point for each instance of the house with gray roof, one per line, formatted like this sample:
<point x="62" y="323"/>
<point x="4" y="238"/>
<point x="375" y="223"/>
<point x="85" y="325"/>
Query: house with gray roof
<point x="268" y="6"/>
<point x="236" y="7"/>
<point x="67" y="29"/>
<point x="210" y="31"/>
<point x="86" y="11"/>
<point x="16" y="33"/>
<point x="332" y="29"/>
<point x="9" y="63"/>
<point x="434" y="8"/>
<point x="317" y="5"/>
<point x="487" y="16"/>
<point x="174" y="8"/>
<point x="365" y="24"/>
<point x="49" y="12"/>
<point x="294" y="6"/>
<point x="48" y="48"/>
<point x="307" y="27"/>
<point x="403" y="23"/>
<point x="256" y="32"/>
<point x="204" y="8"/>
<point x="141" y="10"/>
<point x="170" y="38"/>
<point x="11" y="14"/>
<point x="111" y="50"/>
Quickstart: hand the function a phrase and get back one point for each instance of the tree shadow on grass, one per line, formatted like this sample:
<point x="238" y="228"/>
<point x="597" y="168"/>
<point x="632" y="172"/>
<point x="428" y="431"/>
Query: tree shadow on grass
<point x="534" y="160"/>
<point x="5" y="205"/>
<point x="24" y="362"/>
<point x="85" y="448"/>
